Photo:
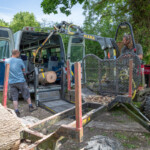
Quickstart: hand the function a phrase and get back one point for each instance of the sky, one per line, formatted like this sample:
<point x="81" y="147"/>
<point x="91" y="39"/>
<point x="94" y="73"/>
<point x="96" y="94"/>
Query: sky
<point x="8" y="8"/>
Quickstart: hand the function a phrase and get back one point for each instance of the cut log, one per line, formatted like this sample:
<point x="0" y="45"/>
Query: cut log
<point x="47" y="77"/>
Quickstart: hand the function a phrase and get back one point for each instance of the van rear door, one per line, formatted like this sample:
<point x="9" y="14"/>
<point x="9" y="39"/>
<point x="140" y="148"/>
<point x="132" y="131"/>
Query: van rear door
<point x="75" y="53"/>
<point x="6" y="46"/>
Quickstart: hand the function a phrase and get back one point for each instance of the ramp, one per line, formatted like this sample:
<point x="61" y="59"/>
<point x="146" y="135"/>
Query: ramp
<point x="57" y="106"/>
<point x="51" y="100"/>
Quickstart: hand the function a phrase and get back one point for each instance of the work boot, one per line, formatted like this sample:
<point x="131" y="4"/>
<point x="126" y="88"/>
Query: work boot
<point x="31" y="108"/>
<point x="17" y="113"/>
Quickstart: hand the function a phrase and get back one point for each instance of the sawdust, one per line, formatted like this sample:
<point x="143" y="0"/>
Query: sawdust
<point x="104" y="100"/>
<point x="10" y="128"/>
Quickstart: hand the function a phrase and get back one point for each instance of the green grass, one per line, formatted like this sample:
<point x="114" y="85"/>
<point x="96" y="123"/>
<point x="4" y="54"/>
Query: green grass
<point x="120" y="136"/>
<point x="91" y="129"/>
<point x="133" y="138"/>
<point x="130" y="146"/>
<point x="127" y="141"/>
<point x="117" y="113"/>
<point x="104" y="134"/>
<point x="1" y="94"/>
<point x="137" y="104"/>
<point x="147" y="137"/>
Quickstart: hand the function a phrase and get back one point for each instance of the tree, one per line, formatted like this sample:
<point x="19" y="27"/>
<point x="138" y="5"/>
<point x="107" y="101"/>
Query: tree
<point x="3" y="23"/>
<point x="51" y="6"/>
<point x="105" y="15"/>
<point x="22" y="19"/>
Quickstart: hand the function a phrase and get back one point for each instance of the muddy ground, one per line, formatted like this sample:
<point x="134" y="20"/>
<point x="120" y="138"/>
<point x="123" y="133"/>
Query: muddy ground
<point x="24" y="109"/>
<point x="115" y="124"/>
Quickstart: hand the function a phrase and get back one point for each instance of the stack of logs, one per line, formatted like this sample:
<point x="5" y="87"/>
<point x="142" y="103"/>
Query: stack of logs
<point x="104" y="100"/>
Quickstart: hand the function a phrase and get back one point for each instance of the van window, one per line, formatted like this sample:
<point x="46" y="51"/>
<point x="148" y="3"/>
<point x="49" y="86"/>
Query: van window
<point x="76" y="53"/>
<point x="4" y="49"/>
<point x="4" y="34"/>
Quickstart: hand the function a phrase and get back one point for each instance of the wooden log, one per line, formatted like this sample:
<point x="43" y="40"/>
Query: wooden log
<point x="47" y="77"/>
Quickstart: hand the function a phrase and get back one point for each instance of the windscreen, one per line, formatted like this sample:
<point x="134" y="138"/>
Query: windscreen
<point x="4" y="49"/>
<point x="76" y="53"/>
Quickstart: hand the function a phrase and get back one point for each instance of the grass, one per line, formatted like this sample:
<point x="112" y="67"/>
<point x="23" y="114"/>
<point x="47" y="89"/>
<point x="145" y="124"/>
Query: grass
<point x="137" y="104"/>
<point x="127" y="141"/>
<point x="130" y="146"/>
<point x="1" y="96"/>
<point x="120" y="136"/>
<point x="91" y="129"/>
<point x="147" y="137"/>
<point x="117" y="112"/>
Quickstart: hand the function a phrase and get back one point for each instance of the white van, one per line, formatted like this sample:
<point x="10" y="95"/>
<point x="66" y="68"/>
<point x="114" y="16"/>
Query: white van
<point x="6" y="46"/>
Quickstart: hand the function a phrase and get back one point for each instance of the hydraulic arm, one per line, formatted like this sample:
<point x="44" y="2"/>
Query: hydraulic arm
<point x="109" y="45"/>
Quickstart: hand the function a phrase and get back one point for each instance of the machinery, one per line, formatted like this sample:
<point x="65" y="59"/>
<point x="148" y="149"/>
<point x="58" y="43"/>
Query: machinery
<point x="44" y="52"/>
<point x="116" y="75"/>
<point x="121" y="78"/>
<point x="40" y="57"/>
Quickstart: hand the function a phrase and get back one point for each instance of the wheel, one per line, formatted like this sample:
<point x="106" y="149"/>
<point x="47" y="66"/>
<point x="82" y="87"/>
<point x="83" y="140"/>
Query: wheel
<point x="147" y="107"/>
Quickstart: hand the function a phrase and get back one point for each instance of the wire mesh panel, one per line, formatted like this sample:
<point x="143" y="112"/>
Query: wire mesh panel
<point x="90" y="69"/>
<point x="110" y="76"/>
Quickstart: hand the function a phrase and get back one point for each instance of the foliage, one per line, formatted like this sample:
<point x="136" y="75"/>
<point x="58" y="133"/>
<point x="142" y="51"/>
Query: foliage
<point x="51" y="6"/>
<point x="22" y="19"/>
<point x="103" y="16"/>
<point x="3" y="23"/>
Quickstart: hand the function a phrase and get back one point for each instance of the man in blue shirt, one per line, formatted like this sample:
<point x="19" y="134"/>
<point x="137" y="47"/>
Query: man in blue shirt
<point x="17" y="81"/>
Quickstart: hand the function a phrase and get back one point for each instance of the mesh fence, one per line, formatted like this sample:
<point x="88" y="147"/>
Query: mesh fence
<point x="110" y="77"/>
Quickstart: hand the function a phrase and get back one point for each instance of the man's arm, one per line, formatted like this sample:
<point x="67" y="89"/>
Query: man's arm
<point x="23" y="69"/>
<point x="139" y="51"/>
<point x="140" y="56"/>
<point x="22" y="66"/>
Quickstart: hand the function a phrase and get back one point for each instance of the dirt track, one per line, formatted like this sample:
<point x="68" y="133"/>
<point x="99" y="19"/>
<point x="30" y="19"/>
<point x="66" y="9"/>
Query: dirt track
<point x="115" y="124"/>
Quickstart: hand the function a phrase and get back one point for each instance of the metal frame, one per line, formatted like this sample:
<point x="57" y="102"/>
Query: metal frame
<point x="40" y="140"/>
<point x="131" y="31"/>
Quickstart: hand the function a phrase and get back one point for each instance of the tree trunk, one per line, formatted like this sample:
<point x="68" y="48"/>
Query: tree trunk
<point x="47" y="77"/>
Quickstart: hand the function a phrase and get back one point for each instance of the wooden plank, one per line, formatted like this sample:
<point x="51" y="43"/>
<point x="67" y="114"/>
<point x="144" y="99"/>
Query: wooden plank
<point x="52" y="119"/>
<point x="68" y="76"/>
<point x="4" y="102"/>
<point x="68" y="131"/>
<point x="78" y="101"/>
<point x="31" y="135"/>
<point x="130" y="76"/>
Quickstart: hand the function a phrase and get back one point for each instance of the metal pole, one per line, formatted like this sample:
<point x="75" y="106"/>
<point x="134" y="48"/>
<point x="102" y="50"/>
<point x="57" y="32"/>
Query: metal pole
<point x="68" y="76"/>
<point x="5" y="89"/>
<point x="78" y="101"/>
<point x="130" y="76"/>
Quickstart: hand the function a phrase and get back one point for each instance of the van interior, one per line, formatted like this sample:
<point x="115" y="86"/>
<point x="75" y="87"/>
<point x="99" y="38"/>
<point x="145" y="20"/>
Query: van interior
<point x="52" y="55"/>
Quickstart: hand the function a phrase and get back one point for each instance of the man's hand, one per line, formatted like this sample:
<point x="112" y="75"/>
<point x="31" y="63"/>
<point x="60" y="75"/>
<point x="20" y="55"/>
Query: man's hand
<point x="140" y="56"/>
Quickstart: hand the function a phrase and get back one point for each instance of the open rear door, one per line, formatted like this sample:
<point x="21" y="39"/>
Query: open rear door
<point x="75" y="53"/>
<point x="6" y="46"/>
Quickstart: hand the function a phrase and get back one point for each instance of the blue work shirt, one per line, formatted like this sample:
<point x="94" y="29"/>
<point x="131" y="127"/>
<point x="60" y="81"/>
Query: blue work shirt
<point x="15" y="73"/>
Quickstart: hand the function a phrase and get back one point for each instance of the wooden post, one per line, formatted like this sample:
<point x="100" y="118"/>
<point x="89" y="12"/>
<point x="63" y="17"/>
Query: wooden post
<point x="68" y="76"/>
<point x="78" y="101"/>
<point x="130" y="76"/>
<point x="5" y="89"/>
